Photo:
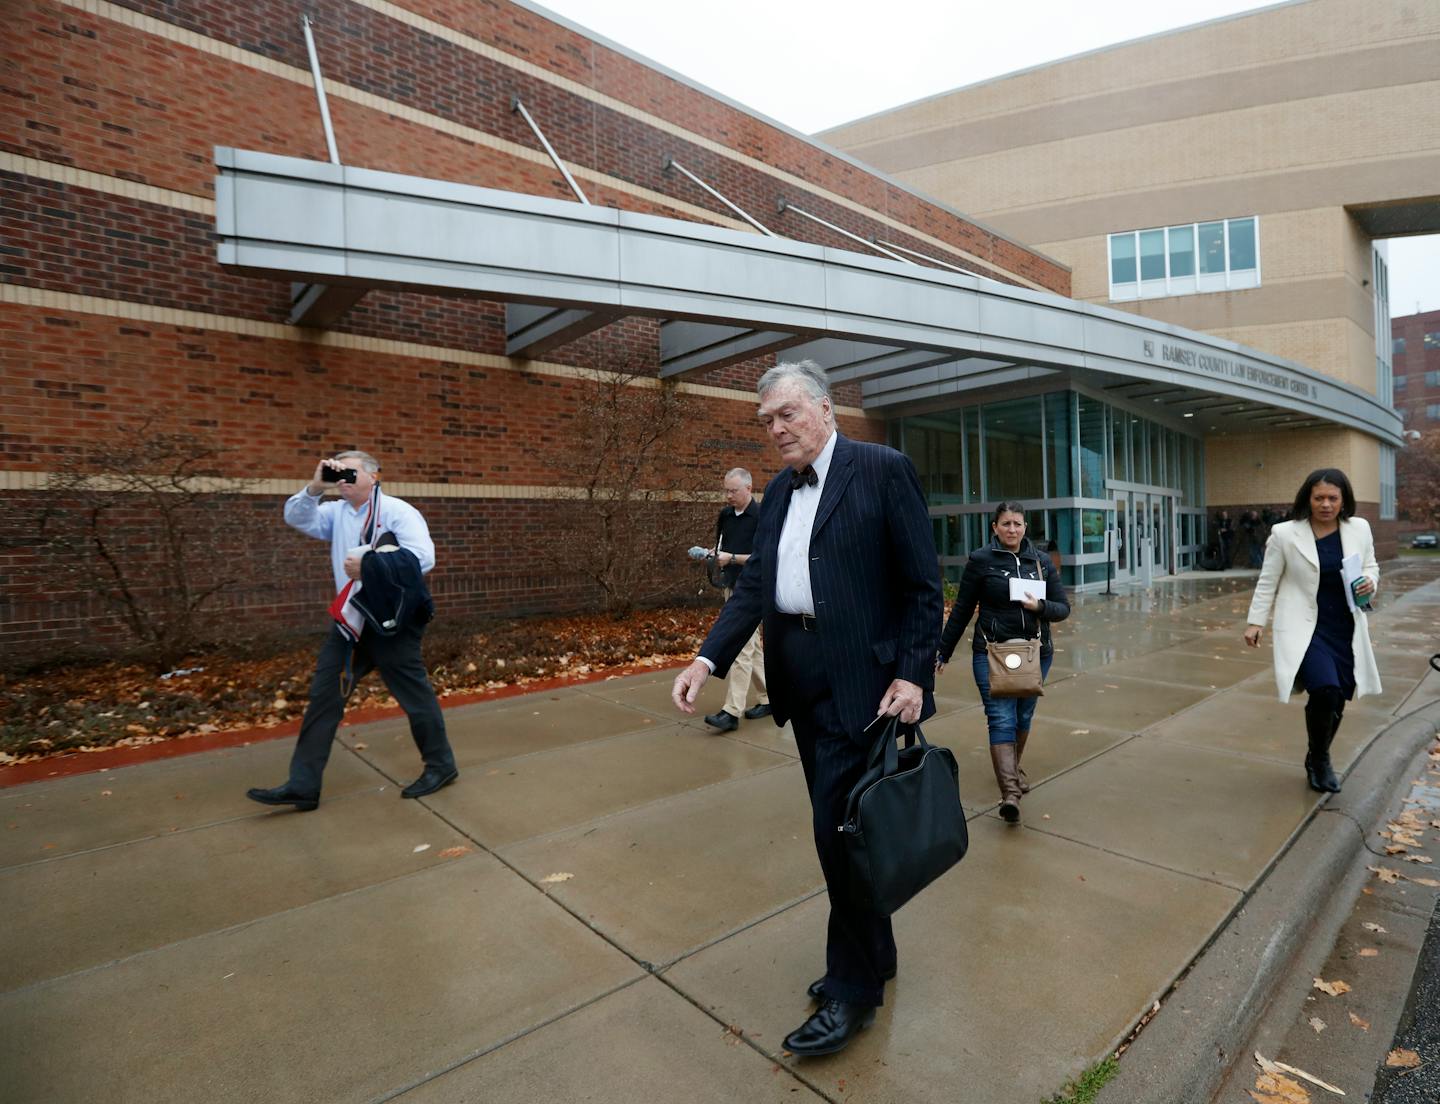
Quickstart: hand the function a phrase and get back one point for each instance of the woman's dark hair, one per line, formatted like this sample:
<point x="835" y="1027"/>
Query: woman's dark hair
<point x="1006" y="508"/>
<point x="1336" y="478"/>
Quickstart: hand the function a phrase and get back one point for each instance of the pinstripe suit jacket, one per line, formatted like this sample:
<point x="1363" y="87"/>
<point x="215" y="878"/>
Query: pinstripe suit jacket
<point x="874" y="575"/>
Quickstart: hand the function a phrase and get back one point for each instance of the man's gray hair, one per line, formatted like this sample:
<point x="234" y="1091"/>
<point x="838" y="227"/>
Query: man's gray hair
<point x="368" y="462"/>
<point x="804" y="372"/>
<point x="742" y="475"/>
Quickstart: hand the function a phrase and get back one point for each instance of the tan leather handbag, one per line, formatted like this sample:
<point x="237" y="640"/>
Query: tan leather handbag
<point x="1015" y="668"/>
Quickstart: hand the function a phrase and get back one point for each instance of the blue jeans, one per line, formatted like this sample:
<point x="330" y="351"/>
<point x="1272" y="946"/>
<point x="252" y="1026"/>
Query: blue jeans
<point x="1005" y="716"/>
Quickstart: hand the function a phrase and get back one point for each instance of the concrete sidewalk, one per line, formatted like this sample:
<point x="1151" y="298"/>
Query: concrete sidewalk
<point x="615" y="904"/>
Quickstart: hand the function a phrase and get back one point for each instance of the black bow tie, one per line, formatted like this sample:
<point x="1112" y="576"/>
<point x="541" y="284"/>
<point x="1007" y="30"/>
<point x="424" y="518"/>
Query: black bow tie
<point x="805" y="477"/>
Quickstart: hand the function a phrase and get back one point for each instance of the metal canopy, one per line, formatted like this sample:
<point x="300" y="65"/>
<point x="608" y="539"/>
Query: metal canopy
<point x="912" y="336"/>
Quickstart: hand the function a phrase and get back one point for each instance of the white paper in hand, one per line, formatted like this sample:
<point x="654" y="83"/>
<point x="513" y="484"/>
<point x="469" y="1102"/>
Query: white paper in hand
<point x="1350" y="571"/>
<point x="1022" y="588"/>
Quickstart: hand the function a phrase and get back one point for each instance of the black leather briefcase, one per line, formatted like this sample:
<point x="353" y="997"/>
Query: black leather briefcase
<point x="904" y="826"/>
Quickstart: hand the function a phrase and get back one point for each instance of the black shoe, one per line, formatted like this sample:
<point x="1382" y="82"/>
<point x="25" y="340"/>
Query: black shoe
<point x="725" y="722"/>
<point x="816" y="992"/>
<point x="433" y="779"/>
<point x="755" y="712"/>
<point x="830" y="1029"/>
<point x="285" y="795"/>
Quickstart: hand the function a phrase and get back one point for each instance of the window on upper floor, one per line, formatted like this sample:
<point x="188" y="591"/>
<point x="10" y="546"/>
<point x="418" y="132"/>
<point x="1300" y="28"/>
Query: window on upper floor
<point x="1397" y="347"/>
<point x="1432" y="379"/>
<point x="1223" y="255"/>
<point x="1402" y="382"/>
<point x="1432" y="339"/>
<point x="1433" y="412"/>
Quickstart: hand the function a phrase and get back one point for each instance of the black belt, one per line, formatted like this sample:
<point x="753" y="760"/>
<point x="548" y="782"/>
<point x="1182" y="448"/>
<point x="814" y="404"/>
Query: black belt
<point x="805" y="621"/>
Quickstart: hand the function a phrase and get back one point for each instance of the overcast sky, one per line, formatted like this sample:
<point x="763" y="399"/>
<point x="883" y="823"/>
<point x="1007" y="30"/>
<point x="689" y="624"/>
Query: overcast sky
<point x="813" y="65"/>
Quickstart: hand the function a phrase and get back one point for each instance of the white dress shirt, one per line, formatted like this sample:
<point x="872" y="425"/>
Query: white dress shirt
<point x="792" y="560"/>
<point x="341" y="524"/>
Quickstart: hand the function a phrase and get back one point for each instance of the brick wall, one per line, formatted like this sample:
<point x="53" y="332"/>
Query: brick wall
<point x="106" y="215"/>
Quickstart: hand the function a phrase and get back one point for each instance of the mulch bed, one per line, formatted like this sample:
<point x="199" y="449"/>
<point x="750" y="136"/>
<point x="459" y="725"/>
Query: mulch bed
<point x="93" y="706"/>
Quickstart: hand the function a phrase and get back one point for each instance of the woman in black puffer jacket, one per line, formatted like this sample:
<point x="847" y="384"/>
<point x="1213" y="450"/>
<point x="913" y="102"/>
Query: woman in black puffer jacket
<point x="985" y="586"/>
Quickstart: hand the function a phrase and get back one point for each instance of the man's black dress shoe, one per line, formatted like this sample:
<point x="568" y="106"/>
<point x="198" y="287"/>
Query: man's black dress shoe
<point x="755" y="712"/>
<point x="725" y="722"/>
<point x="816" y="992"/>
<point x="433" y="779"/>
<point x="830" y="1029"/>
<point x="284" y="795"/>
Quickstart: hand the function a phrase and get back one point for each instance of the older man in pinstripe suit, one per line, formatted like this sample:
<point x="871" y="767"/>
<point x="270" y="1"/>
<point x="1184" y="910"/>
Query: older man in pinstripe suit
<point x="844" y="577"/>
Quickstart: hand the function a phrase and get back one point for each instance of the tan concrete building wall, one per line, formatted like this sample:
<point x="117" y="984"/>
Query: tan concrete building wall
<point x="1258" y="468"/>
<point x="1289" y="114"/>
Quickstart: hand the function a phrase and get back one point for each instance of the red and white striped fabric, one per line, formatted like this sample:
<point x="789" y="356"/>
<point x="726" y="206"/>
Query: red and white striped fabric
<point x="349" y="620"/>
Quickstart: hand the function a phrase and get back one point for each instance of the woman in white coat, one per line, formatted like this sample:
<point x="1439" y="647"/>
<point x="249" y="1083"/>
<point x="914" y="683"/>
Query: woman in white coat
<point x="1322" y="641"/>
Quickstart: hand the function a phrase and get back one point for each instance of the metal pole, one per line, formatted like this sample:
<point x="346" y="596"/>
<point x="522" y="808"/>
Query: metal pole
<point x="320" y="90"/>
<point x="671" y="163"/>
<point x="933" y="260"/>
<point x="785" y="205"/>
<point x="516" y="105"/>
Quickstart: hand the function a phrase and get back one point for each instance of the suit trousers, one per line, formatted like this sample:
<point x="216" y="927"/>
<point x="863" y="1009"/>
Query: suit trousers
<point x="337" y="672"/>
<point x="749" y="665"/>
<point x="859" y="944"/>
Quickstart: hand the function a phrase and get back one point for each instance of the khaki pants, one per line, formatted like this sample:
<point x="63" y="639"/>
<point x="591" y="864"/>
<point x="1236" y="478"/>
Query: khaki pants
<point x="748" y="665"/>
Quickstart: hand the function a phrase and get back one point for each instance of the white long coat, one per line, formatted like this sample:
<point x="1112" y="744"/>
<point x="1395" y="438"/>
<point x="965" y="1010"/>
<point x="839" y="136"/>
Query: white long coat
<point x="1289" y="581"/>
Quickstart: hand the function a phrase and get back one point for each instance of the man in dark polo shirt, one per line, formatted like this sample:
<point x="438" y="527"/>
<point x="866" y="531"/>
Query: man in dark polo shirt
<point x="734" y="538"/>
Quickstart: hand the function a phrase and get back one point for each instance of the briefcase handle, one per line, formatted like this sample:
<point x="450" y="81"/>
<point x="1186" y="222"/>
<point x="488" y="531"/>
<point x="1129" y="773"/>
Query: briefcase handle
<point x="884" y="749"/>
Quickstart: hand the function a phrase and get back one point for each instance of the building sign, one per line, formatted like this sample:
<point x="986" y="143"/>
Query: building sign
<point x="1224" y="367"/>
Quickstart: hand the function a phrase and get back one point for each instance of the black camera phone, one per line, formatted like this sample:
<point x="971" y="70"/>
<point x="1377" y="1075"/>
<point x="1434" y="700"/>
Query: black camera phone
<point x="337" y="475"/>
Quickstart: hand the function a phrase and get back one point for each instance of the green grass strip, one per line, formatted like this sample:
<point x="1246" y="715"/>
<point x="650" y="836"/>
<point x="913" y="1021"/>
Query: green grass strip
<point x="1085" y="1087"/>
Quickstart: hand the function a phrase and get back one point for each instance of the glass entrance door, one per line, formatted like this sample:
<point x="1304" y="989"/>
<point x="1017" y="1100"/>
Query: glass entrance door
<point x="1124" y="538"/>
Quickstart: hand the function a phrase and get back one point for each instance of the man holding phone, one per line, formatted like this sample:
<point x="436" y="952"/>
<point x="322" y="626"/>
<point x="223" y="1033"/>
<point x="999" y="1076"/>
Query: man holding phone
<point x="362" y="522"/>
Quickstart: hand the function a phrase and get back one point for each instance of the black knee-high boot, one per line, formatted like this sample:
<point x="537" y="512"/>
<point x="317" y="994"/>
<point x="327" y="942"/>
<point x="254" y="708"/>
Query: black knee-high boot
<point x="1322" y="720"/>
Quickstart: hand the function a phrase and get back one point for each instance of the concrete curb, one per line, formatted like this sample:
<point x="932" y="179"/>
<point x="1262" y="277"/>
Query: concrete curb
<point x="1183" y="1054"/>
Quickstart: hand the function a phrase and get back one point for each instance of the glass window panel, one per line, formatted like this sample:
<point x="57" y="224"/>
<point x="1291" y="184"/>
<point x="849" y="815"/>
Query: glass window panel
<point x="973" y="485"/>
<point x="1431" y="341"/>
<point x="1432" y="379"/>
<point x="1122" y="258"/>
<point x="1212" y="247"/>
<point x="1401" y="382"/>
<point x="1157" y="453"/>
<point x="1242" y="244"/>
<point x="1014" y="452"/>
<point x="1397" y="346"/>
<point x="1092" y="532"/>
<point x="1059" y="449"/>
<point x="1152" y="254"/>
<point x="1092" y="447"/>
<point x="1182" y="251"/>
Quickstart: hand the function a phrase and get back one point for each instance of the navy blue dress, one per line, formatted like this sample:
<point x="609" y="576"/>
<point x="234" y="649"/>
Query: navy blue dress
<point x="1330" y="659"/>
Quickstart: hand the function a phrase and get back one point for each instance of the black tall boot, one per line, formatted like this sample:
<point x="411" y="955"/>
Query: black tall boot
<point x="1322" y="720"/>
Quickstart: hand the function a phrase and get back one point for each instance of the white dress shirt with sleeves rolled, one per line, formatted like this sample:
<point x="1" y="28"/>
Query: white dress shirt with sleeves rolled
<point x="340" y="523"/>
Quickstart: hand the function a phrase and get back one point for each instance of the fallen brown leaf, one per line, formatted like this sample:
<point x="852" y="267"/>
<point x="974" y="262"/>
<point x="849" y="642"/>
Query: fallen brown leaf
<point x="1431" y="882"/>
<point x="1278" y="1068"/>
<point x="1371" y="926"/>
<point x="1395" y="849"/>
<point x="1368" y="952"/>
<point x="1419" y="859"/>
<point x="1317" y="1024"/>
<point x="454" y="852"/>
<point x="1363" y="1025"/>
<point x="1276" y="1088"/>
<point x="552" y="879"/>
<point x="1334" y="988"/>
<point x="1400" y="1058"/>
<point x="1386" y="874"/>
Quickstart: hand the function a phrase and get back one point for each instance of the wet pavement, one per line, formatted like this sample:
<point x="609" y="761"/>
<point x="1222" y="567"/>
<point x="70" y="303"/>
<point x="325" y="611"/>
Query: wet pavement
<point x="615" y="903"/>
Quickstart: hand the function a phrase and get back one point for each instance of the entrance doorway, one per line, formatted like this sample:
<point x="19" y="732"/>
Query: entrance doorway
<point x="1142" y="516"/>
